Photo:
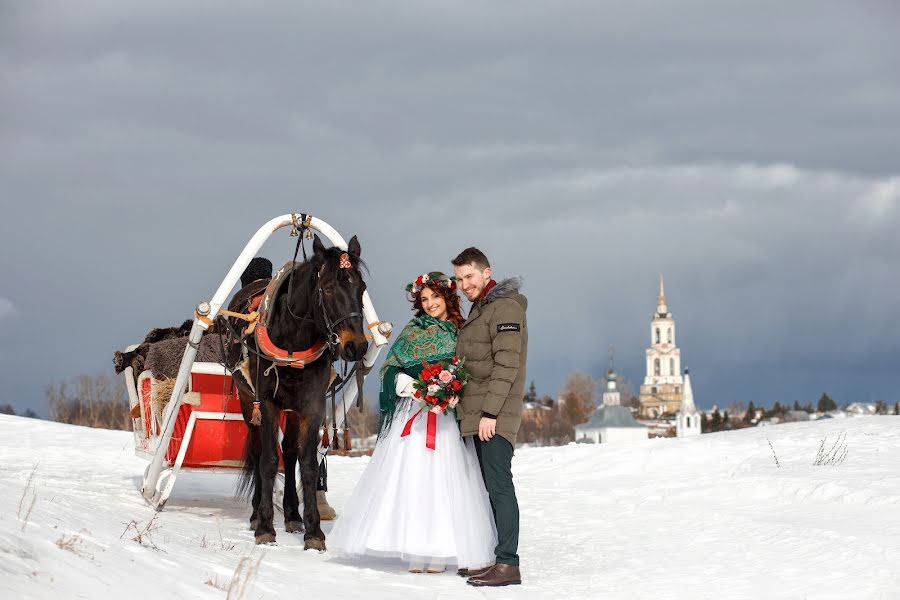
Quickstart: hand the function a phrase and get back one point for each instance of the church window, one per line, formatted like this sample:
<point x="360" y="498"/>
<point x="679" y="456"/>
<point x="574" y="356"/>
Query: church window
<point x="688" y="421"/>
<point x="670" y="335"/>
<point x="653" y="391"/>
<point x="656" y="367"/>
<point x="672" y="366"/>
<point x="657" y="338"/>
<point x="677" y="389"/>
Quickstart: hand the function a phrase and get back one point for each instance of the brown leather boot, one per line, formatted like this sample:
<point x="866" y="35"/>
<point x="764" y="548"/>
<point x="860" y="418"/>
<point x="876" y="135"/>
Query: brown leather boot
<point x="326" y="512"/>
<point x="473" y="572"/>
<point x="497" y="576"/>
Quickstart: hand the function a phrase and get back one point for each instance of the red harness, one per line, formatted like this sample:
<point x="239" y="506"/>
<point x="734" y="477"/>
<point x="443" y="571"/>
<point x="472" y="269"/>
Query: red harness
<point x="280" y="356"/>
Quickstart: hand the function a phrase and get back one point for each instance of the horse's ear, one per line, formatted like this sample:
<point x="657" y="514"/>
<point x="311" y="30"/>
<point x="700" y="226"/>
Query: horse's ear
<point x="318" y="249"/>
<point x="353" y="247"/>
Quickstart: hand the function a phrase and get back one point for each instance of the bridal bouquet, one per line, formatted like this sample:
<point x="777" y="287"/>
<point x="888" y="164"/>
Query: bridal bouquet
<point x="437" y="389"/>
<point x="438" y="385"/>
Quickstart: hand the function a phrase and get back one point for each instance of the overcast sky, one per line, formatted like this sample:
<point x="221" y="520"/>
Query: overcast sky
<point x="749" y="152"/>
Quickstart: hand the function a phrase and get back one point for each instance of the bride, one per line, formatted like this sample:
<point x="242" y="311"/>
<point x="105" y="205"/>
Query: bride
<point x="426" y="506"/>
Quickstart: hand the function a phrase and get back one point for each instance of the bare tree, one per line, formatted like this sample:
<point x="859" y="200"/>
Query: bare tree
<point x="363" y="423"/>
<point x="577" y="400"/>
<point x="100" y="401"/>
<point x="626" y="393"/>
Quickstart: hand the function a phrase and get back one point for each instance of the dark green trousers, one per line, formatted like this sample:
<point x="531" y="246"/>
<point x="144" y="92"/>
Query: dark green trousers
<point x="495" y="459"/>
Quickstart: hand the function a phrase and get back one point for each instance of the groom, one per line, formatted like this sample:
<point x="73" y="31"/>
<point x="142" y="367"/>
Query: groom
<point x="494" y="342"/>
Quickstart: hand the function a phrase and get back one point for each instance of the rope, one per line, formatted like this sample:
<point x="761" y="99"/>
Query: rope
<point x="250" y="317"/>
<point x="266" y="374"/>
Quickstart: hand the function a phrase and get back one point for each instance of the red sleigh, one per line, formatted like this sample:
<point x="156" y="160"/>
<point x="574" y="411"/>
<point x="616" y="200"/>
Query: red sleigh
<point x="201" y="427"/>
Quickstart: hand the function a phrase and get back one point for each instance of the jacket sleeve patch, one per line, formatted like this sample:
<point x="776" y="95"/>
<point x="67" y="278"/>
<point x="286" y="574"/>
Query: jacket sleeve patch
<point x="508" y="327"/>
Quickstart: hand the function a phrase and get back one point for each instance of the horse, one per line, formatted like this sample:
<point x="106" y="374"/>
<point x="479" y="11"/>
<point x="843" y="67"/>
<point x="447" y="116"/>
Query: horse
<point x="321" y="303"/>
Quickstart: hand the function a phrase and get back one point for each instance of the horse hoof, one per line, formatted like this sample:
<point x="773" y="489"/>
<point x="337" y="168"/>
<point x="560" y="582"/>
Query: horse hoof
<point x="293" y="526"/>
<point x="254" y="524"/>
<point x="314" y="544"/>
<point x="266" y="538"/>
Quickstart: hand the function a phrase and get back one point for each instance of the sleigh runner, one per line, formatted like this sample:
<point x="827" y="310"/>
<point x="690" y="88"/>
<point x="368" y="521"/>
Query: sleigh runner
<point x="200" y="427"/>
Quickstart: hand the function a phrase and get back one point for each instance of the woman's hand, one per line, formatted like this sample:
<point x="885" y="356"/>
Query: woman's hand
<point x="404" y="385"/>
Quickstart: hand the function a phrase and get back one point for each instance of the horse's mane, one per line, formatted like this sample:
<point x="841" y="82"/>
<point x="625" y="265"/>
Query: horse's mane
<point x="305" y="272"/>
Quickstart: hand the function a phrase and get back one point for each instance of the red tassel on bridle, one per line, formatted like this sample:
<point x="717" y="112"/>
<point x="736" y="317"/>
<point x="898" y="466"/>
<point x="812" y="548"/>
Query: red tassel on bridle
<point x="336" y="445"/>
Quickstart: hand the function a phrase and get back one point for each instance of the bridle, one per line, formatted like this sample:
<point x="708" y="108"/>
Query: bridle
<point x="332" y="338"/>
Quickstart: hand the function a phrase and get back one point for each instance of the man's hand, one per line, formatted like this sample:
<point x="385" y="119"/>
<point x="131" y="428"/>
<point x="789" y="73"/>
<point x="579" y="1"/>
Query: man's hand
<point x="487" y="427"/>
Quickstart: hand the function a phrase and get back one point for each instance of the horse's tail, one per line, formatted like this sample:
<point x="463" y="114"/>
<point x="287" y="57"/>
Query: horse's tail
<point x="244" y="487"/>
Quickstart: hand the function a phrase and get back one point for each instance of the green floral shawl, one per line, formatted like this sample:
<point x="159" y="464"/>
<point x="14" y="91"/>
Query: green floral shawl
<point x="423" y="338"/>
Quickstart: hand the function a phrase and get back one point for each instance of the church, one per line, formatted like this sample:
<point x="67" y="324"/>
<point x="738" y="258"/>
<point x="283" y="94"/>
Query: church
<point x="663" y="388"/>
<point x="611" y="422"/>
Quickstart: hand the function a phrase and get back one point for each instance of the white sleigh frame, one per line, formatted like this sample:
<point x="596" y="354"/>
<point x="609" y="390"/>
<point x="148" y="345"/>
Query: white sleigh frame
<point x="160" y="475"/>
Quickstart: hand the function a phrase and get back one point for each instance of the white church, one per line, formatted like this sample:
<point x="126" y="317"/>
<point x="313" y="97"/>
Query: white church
<point x="687" y="421"/>
<point x="611" y="423"/>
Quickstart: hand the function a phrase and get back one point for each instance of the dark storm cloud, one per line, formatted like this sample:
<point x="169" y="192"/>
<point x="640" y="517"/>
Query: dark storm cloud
<point x="747" y="152"/>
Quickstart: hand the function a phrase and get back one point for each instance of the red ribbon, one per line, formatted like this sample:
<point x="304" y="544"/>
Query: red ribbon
<point x="430" y="429"/>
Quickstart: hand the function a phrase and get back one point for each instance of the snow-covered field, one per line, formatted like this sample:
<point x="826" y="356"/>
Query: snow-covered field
<point x="709" y="517"/>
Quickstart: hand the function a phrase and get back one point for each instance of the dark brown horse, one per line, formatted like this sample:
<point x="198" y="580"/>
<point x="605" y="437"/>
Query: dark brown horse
<point x="321" y="302"/>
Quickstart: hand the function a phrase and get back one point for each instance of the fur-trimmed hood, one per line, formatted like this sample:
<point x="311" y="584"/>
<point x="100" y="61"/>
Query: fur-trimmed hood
<point x="508" y="287"/>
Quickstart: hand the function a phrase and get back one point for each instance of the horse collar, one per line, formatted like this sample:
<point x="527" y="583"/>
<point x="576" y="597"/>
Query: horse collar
<point x="264" y="342"/>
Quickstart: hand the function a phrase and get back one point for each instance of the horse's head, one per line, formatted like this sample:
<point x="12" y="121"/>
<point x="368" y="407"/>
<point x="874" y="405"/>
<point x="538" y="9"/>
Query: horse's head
<point x="339" y="307"/>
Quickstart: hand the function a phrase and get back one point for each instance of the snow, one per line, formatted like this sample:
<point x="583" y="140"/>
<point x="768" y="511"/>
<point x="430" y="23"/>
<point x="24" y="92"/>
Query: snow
<point x="704" y="517"/>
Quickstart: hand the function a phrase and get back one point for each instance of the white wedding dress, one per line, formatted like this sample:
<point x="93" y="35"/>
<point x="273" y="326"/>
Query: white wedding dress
<point x="421" y="505"/>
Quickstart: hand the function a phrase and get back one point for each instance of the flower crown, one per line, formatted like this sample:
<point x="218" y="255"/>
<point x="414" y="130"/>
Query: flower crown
<point x="426" y="279"/>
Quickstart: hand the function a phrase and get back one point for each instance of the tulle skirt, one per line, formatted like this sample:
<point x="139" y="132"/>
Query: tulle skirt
<point x="419" y="504"/>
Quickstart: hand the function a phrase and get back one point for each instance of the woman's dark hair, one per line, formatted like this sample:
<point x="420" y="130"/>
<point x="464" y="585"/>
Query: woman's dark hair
<point x="454" y="313"/>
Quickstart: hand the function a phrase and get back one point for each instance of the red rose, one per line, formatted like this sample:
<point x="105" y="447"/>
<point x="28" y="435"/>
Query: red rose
<point x="435" y="369"/>
<point x="455" y="360"/>
<point x="430" y="399"/>
<point x="456" y="384"/>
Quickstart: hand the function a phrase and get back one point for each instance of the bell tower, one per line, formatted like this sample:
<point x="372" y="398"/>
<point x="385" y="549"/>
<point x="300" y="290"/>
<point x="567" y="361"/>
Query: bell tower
<point x="663" y="385"/>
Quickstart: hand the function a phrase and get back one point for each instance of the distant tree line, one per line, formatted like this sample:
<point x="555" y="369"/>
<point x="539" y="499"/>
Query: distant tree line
<point x="101" y="401"/>
<point x="91" y="401"/>
<point x="549" y="422"/>
<point x="7" y="409"/>
<point x="740" y="418"/>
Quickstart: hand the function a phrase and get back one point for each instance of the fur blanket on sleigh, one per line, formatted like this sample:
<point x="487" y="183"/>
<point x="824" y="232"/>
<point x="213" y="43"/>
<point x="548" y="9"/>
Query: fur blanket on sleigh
<point x="164" y="358"/>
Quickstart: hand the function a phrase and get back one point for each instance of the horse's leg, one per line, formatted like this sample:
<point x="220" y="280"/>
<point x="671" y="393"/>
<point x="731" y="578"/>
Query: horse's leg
<point x="257" y="492"/>
<point x="254" y="447"/>
<point x="293" y="522"/>
<point x="268" y="470"/>
<point x="314" y="538"/>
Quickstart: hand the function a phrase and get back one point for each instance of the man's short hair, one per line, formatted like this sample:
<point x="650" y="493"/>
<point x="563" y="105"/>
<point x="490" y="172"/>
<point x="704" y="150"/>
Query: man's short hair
<point x="472" y="256"/>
